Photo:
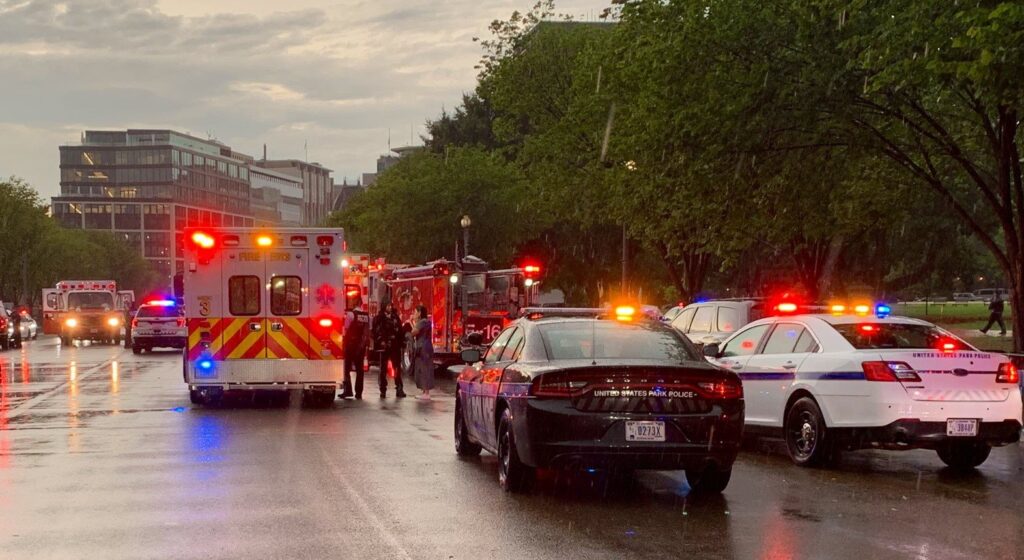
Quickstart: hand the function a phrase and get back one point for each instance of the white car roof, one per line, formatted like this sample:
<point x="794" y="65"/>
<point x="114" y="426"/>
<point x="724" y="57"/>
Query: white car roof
<point x="845" y="319"/>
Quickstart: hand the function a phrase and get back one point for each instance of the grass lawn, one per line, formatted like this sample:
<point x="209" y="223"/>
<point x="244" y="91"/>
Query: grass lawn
<point x="963" y="318"/>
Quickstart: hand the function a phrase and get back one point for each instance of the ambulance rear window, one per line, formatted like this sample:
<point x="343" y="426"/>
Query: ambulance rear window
<point x="286" y="295"/>
<point x="244" y="295"/>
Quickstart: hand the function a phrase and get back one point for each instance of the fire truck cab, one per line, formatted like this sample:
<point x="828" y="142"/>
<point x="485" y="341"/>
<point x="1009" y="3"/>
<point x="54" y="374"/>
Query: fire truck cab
<point x="265" y="310"/>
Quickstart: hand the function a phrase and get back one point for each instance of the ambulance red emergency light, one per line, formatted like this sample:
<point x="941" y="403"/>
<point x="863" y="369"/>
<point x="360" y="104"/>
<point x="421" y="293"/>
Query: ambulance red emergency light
<point x="265" y="310"/>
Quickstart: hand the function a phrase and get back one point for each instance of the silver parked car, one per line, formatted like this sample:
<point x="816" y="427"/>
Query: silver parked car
<point x="713" y="321"/>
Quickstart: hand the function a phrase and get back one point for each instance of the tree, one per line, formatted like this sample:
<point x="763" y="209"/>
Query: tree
<point x="411" y="214"/>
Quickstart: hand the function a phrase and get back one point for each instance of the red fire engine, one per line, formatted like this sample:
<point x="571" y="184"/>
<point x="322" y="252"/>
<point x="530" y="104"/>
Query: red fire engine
<point x="491" y="299"/>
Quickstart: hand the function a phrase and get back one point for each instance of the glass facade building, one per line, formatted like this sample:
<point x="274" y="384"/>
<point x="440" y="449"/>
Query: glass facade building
<point x="146" y="186"/>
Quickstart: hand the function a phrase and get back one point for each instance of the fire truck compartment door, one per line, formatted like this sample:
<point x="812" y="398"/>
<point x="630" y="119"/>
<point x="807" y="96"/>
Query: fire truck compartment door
<point x="287" y="304"/>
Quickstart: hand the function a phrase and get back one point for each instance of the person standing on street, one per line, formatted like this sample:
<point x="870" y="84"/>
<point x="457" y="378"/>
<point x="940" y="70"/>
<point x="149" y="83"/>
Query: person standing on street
<point x="389" y="341"/>
<point x="995" y="315"/>
<point x="357" y="338"/>
<point x="423" y="353"/>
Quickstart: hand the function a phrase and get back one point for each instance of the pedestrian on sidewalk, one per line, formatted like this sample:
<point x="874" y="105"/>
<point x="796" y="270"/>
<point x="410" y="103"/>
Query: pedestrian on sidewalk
<point x="356" y="340"/>
<point x="423" y="353"/>
<point x="388" y="342"/>
<point x="995" y="315"/>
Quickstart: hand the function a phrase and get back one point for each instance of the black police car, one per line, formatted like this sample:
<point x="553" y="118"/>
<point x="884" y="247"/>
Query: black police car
<point x="598" y="393"/>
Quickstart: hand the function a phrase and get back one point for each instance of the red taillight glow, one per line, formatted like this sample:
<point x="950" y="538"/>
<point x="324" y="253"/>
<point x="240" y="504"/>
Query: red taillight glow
<point x="889" y="371"/>
<point x="867" y="328"/>
<point x="1008" y="373"/>
<point x="948" y="346"/>
<point x="727" y="389"/>
<point x="326" y="323"/>
<point x="181" y="322"/>
<point x="203" y="240"/>
<point x="135" y="323"/>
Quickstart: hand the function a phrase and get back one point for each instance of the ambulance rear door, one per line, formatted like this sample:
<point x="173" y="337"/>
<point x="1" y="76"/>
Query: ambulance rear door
<point x="287" y="304"/>
<point x="245" y="282"/>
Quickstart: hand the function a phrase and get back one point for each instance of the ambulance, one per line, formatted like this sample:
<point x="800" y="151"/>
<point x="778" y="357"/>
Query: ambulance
<point x="86" y="310"/>
<point x="265" y="310"/>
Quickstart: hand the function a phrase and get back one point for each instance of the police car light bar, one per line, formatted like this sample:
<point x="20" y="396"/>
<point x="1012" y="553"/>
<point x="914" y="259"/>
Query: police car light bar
<point x="162" y="302"/>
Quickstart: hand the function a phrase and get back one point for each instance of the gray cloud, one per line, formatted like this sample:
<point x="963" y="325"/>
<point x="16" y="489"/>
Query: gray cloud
<point x="337" y="76"/>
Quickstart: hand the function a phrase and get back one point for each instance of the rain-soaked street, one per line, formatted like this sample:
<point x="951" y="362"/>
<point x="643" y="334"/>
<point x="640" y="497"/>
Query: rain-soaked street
<point x="102" y="456"/>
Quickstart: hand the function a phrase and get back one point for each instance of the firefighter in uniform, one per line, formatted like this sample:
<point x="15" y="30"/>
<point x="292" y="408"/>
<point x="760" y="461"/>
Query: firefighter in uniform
<point x="357" y="338"/>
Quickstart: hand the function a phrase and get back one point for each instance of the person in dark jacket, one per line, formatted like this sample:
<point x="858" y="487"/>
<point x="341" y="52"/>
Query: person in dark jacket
<point x="388" y="342"/>
<point x="996" y="307"/>
<point x="357" y="338"/>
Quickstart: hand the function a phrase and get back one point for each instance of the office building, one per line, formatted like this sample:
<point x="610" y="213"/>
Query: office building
<point x="146" y="186"/>
<point x="317" y="186"/>
<point x="275" y="197"/>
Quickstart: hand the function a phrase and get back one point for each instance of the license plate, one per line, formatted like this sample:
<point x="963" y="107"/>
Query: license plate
<point x="962" y="427"/>
<point x="158" y="331"/>
<point x="645" y="431"/>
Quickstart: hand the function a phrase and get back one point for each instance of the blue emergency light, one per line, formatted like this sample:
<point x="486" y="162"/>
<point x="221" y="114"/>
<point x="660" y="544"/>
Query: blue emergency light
<point x="204" y="367"/>
<point x="163" y="302"/>
<point x="882" y="310"/>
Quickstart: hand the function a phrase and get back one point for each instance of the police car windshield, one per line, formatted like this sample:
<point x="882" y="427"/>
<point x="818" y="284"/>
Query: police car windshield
<point x="158" y="311"/>
<point x="868" y="336"/>
<point x="576" y="340"/>
<point x="92" y="300"/>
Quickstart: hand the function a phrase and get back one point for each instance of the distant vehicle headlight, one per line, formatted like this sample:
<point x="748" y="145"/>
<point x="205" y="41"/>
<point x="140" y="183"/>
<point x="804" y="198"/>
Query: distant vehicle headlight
<point x="113" y="321"/>
<point x="71" y="322"/>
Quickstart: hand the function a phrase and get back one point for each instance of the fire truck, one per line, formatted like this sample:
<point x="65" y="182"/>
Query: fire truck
<point x="493" y="298"/>
<point x="265" y="310"/>
<point x="86" y="310"/>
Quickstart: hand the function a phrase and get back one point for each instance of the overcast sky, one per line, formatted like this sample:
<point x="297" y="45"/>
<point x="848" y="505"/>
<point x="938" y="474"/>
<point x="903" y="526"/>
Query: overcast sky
<point x="334" y="74"/>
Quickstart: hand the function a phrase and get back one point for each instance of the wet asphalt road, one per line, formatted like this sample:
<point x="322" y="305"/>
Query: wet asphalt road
<point x="102" y="456"/>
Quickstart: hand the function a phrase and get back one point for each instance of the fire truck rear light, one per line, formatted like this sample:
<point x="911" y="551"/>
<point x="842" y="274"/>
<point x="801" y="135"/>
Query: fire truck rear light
<point x="324" y="240"/>
<point x="264" y="241"/>
<point x="1008" y="373"/>
<point x="299" y="241"/>
<point x="324" y="260"/>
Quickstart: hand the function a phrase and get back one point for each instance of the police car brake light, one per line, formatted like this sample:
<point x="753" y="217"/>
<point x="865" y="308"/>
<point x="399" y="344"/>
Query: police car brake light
<point x="947" y="346"/>
<point x="1008" y="373"/>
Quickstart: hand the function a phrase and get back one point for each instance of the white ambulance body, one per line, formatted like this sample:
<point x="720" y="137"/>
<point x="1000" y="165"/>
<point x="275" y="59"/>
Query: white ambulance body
<point x="265" y="310"/>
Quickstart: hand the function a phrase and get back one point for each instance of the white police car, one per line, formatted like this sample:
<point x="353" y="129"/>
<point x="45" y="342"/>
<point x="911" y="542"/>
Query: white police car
<point x="835" y="382"/>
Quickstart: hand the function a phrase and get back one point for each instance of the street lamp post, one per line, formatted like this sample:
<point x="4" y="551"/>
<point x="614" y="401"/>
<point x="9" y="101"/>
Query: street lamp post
<point x="465" y="222"/>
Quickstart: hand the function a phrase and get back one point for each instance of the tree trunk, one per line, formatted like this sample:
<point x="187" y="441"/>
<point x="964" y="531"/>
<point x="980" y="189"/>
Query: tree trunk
<point x="835" y="249"/>
<point x="1017" y="303"/>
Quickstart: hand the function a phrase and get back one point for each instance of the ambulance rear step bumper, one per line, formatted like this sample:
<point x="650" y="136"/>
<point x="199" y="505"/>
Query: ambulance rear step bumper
<point x="318" y="387"/>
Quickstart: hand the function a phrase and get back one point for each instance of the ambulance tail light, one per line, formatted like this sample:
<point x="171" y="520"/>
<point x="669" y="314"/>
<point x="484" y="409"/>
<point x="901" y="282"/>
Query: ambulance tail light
<point x="889" y="372"/>
<point x="203" y="240"/>
<point x="326" y="322"/>
<point x="324" y="240"/>
<point x="1008" y="373"/>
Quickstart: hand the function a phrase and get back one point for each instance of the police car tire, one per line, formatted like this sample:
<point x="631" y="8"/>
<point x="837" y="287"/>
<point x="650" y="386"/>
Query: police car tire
<point x="710" y="480"/>
<point x="136" y="349"/>
<point x="964" y="455"/>
<point x="816" y="452"/>
<point x="513" y="475"/>
<point x="4" y="343"/>
<point x="193" y="394"/>
<point x="463" y="446"/>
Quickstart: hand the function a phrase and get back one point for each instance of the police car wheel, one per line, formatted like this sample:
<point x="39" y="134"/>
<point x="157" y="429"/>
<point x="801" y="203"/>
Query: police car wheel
<point x="463" y="446"/>
<point x="513" y="475"/>
<point x="136" y="349"/>
<point x="193" y="395"/>
<point x="807" y="438"/>
<point x="709" y="480"/>
<point x="964" y="455"/>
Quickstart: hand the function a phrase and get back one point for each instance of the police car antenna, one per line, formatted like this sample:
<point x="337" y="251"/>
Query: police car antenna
<point x="593" y="342"/>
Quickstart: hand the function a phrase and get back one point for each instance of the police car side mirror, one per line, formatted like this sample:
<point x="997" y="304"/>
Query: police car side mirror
<point x="470" y="356"/>
<point x="710" y="350"/>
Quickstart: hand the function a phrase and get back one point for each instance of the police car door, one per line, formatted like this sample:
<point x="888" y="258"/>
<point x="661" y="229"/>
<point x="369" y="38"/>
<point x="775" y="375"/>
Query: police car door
<point x="287" y="317"/>
<point x="485" y="389"/>
<point x="773" y="369"/>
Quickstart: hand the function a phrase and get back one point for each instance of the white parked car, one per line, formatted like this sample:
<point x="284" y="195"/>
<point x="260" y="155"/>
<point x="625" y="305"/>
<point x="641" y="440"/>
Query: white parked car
<point x="961" y="297"/>
<point x="830" y="383"/>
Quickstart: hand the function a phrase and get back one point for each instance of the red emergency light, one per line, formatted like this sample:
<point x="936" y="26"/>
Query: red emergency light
<point x="203" y="240"/>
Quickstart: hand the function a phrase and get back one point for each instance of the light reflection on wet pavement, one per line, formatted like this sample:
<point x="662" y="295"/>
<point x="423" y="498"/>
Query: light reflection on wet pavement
<point x="102" y="456"/>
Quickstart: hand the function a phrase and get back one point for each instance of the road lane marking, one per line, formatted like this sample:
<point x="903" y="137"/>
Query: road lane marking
<point x="358" y="500"/>
<point x="31" y="403"/>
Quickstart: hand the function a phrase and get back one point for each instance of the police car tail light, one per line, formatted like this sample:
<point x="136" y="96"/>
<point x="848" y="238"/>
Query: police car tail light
<point x="181" y="322"/>
<point x="135" y="323"/>
<point x="1008" y="373"/>
<point x="889" y="372"/>
<point x="556" y="385"/>
<point x="727" y="389"/>
<point x="948" y="345"/>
